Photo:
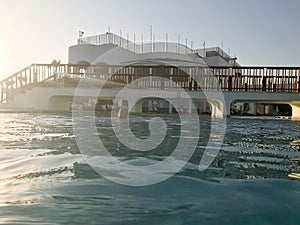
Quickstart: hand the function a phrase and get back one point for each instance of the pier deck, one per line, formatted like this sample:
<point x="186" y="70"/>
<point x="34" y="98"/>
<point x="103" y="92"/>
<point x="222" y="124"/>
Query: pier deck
<point x="256" y="84"/>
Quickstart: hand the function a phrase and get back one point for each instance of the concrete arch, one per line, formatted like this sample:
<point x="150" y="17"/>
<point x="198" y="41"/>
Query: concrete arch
<point x="292" y="99"/>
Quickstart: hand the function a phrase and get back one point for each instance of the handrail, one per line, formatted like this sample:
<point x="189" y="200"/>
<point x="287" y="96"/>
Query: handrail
<point x="25" y="78"/>
<point x="137" y="47"/>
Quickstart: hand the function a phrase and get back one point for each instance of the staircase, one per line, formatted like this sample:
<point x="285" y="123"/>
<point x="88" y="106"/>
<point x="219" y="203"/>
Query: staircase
<point x="29" y="77"/>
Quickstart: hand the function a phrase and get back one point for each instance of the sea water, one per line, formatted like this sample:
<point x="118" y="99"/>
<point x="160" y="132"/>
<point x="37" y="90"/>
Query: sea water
<point x="44" y="178"/>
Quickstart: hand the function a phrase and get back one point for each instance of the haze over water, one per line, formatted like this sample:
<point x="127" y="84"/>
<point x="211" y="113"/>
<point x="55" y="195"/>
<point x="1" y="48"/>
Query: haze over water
<point x="45" y="179"/>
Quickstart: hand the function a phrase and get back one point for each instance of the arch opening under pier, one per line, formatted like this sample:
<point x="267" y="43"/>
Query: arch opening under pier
<point x="245" y="108"/>
<point x="260" y="103"/>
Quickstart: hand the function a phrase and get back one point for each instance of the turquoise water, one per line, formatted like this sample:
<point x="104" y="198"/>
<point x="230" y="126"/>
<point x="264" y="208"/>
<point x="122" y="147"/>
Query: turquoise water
<point x="45" y="180"/>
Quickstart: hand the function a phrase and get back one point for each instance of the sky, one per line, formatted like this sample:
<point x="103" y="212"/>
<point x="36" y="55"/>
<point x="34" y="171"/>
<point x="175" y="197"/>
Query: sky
<point x="258" y="32"/>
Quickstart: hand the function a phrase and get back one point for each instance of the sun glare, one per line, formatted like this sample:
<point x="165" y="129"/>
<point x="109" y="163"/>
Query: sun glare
<point x="4" y="63"/>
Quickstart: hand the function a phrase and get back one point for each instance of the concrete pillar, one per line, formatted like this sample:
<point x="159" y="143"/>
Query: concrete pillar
<point x="2" y="93"/>
<point x="227" y="107"/>
<point x="295" y="110"/>
<point x="170" y="107"/>
<point x="136" y="107"/>
<point x="190" y="107"/>
<point x="219" y="109"/>
<point x="216" y="109"/>
<point x="123" y="112"/>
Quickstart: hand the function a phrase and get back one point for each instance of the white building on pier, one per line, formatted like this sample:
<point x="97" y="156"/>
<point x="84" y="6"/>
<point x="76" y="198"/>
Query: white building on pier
<point x="205" y="74"/>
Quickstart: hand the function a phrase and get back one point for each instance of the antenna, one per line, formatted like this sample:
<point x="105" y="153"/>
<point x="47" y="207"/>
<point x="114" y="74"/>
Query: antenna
<point x="153" y="42"/>
<point x="178" y="43"/>
<point x="166" y="47"/>
<point x="127" y="40"/>
<point x="134" y="42"/>
<point x="186" y="43"/>
<point x="150" y="38"/>
<point x="142" y="40"/>
<point x="120" y="38"/>
<point x="108" y="34"/>
<point x="222" y="50"/>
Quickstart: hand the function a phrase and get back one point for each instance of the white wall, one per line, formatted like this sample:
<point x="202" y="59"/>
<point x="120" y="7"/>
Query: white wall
<point x="215" y="61"/>
<point x="115" y="55"/>
<point x="87" y="52"/>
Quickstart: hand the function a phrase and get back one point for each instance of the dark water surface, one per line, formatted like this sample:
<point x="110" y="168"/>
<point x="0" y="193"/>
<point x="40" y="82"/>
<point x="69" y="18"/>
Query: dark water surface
<point x="45" y="180"/>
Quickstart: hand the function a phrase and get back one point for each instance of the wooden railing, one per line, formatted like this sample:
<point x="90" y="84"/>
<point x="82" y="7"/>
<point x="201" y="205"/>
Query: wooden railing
<point x="32" y="75"/>
<point x="242" y="79"/>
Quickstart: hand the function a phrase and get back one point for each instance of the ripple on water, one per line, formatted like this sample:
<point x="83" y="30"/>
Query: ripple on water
<point x="44" y="178"/>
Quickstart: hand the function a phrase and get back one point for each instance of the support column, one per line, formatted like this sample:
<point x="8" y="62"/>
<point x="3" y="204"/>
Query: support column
<point x="190" y="107"/>
<point x="219" y="109"/>
<point x="2" y="94"/>
<point x="135" y="107"/>
<point x="216" y="110"/>
<point x="226" y="110"/>
<point x="170" y="107"/>
<point x="295" y="110"/>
